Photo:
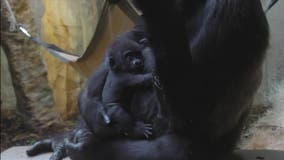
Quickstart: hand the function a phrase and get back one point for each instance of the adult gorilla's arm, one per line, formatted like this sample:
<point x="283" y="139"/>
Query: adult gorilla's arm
<point x="90" y="98"/>
<point x="165" y="28"/>
<point x="212" y="92"/>
<point x="97" y="80"/>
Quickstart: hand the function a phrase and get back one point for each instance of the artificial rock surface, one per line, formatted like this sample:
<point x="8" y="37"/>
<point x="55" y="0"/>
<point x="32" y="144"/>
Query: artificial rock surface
<point x="19" y="153"/>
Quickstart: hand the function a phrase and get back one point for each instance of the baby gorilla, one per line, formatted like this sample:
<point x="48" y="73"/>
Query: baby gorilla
<point x="125" y="76"/>
<point x="113" y="115"/>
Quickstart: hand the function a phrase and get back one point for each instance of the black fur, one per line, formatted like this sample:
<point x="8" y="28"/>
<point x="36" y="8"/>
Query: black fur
<point x="124" y="77"/>
<point x="209" y="55"/>
<point x="119" y="88"/>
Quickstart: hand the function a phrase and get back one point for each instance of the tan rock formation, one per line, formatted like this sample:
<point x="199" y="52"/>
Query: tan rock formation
<point x="28" y="70"/>
<point x="69" y="24"/>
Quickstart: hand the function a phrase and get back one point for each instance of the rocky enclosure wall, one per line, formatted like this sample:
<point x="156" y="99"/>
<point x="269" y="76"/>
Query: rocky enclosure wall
<point x="33" y="96"/>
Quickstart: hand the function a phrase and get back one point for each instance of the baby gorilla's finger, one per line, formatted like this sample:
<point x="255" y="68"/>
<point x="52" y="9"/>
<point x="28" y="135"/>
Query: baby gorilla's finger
<point x="40" y="147"/>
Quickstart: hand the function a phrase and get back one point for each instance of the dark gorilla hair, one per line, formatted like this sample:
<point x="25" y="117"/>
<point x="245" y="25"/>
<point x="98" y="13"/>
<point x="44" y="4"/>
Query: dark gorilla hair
<point x="122" y="88"/>
<point x="125" y="67"/>
<point x="125" y="56"/>
<point x="209" y="56"/>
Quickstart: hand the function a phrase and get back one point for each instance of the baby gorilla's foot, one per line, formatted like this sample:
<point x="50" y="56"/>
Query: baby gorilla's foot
<point x="142" y="129"/>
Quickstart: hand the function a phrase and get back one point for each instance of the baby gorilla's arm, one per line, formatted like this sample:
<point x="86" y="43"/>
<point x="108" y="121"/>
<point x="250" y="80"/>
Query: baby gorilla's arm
<point x="137" y="80"/>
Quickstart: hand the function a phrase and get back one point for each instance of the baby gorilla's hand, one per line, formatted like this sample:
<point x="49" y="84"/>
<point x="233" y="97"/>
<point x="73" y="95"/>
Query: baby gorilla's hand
<point x="142" y="129"/>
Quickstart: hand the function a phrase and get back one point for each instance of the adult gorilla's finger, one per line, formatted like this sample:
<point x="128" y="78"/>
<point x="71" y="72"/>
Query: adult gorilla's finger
<point x="72" y="147"/>
<point x="73" y="150"/>
<point x="40" y="147"/>
<point x="59" y="152"/>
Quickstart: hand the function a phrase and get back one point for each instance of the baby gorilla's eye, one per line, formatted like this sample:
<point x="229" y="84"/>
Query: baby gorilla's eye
<point x="127" y="54"/>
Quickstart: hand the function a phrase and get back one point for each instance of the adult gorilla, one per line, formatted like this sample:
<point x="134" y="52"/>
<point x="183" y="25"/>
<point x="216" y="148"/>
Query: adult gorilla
<point x="209" y="55"/>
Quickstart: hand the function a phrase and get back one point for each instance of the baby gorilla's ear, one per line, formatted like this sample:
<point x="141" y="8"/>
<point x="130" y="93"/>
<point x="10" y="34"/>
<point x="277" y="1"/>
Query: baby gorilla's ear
<point x="111" y="61"/>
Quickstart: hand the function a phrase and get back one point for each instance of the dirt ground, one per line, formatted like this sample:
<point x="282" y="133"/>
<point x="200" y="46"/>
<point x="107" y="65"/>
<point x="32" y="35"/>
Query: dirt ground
<point x="15" y="133"/>
<point x="267" y="132"/>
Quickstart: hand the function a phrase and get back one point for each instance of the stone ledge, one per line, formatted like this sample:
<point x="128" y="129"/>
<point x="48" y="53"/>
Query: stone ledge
<point x="19" y="153"/>
<point x="258" y="155"/>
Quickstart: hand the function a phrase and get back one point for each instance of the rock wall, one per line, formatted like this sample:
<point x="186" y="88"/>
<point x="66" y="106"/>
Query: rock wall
<point x="8" y="97"/>
<point x="273" y="76"/>
<point x="69" y="24"/>
<point x="114" y="22"/>
<point x="267" y="130"/>
<point x="33" y="94"/>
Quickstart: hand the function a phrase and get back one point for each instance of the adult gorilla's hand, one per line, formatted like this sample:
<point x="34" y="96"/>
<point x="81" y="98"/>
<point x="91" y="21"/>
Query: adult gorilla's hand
<point x="49" y="145"/>
<point x="82" y="145"/>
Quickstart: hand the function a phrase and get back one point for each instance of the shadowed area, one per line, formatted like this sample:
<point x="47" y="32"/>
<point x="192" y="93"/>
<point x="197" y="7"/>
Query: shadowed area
<point x="19" y="153"/>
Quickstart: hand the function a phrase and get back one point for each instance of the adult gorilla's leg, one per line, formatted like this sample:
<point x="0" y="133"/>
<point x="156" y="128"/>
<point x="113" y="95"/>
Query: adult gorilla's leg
<point x="50" y="144"/>
<point x="167" y="147"/>
<point x="55" y="143"/>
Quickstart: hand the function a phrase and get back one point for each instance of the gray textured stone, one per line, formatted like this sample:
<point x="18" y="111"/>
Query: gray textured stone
<point x="273" y="77"/>
<point x="19" y="153"/>
<point x="8" y="97"/>
<point x="28" y="72"/>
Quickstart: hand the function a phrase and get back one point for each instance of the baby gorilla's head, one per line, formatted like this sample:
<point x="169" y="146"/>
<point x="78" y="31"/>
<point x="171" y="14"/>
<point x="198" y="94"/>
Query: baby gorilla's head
<point x="125" y="56"/>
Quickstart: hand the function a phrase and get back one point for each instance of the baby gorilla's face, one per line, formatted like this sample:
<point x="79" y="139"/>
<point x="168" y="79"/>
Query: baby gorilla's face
<point x="126" y="56"/>
<point x="133" y="61"/>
